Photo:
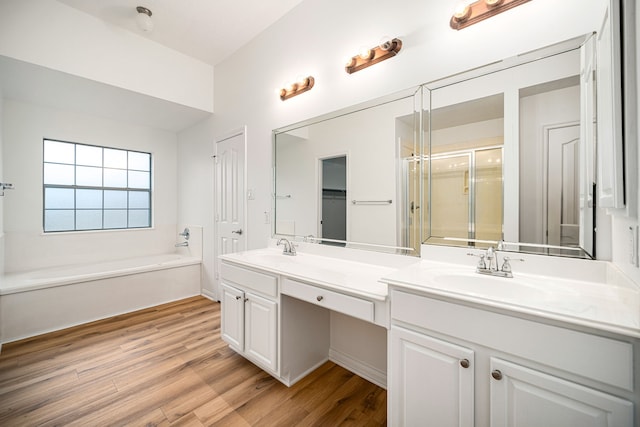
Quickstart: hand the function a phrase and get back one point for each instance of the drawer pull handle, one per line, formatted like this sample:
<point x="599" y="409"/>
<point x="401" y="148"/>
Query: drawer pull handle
<point x="496" y="374"/>
<point x="464" y="363"/>
<point x="319" y="297"/>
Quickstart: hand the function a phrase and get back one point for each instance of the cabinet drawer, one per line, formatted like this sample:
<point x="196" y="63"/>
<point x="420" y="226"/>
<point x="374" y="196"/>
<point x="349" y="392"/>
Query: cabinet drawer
<point x="602" y="359"/>
<point x="356" y="307"/>
<point x="249" y="279"/>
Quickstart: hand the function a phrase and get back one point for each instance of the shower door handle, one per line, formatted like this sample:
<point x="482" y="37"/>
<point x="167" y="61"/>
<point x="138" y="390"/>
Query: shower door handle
<point x="238" y="232"/>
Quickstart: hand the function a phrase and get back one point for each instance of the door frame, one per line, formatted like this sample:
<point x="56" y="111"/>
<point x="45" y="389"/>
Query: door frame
<point x="242" y="131"/>
<point x="319" y="160"/>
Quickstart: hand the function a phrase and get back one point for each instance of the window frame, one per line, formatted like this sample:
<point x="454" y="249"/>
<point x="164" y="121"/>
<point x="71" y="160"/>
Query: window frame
<point x="127" y="189"/>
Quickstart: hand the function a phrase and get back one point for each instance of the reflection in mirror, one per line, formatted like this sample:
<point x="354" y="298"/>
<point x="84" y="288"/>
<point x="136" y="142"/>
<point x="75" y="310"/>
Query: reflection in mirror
<point x="510" y="155"/>
<point x="351" y="179"/>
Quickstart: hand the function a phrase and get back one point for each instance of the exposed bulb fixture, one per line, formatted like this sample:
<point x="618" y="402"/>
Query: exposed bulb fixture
<point x="387" y="48"/>
<point x="469" y="13"/>
<point x="301" y="85"/>
<point x="143" y="19"/>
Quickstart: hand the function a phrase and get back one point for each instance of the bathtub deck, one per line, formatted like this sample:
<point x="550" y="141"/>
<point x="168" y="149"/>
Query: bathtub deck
<point x="167" y="365"/>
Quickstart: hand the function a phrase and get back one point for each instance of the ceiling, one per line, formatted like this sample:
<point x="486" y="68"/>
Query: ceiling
<point x="209" y="30"/>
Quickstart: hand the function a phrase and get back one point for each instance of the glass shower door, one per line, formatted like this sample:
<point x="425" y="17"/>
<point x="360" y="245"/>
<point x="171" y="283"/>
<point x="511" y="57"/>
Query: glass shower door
<point x="450" y="207"/>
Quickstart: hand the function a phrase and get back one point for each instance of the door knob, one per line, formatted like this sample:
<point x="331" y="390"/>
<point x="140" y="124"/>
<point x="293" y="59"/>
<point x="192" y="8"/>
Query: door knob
<point x="238" y="232"/>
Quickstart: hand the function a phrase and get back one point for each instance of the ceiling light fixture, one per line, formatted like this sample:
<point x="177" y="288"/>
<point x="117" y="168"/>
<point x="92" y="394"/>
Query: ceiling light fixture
<point x="143" y="19"/>
<point x="388" y="48"/>
<point x="302" y="85"/>
<point x="471" y="13"/>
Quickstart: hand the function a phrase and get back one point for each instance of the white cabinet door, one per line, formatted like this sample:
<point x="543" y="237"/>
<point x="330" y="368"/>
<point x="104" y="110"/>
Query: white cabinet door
<point x="431" y="381"/>
<point x="523" y="397"/>
<point x="261" y="330"/>
<point x="232" y="316"/>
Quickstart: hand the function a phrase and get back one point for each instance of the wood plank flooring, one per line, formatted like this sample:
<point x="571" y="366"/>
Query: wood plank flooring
<point x="167" y="366"/>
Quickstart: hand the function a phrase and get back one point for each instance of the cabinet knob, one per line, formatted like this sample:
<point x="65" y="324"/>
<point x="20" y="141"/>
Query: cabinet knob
<point x="319" y="297"/>
<point x="464" y="363"/>
<point x="238" y="297"/>
<point x="496" y="374"/>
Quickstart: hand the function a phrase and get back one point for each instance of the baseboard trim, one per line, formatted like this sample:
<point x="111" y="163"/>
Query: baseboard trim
<point x="364" y="370"/>
<point x="209" y="294"/>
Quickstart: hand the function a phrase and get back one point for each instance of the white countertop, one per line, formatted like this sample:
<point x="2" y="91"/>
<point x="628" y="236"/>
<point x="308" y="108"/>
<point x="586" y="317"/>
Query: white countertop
<point x="604" y="306"/>
<point x="347" y="276"/>
<point x="587" y="293"/>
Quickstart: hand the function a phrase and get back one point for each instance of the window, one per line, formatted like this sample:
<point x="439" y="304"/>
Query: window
<point x="95" y="188"/>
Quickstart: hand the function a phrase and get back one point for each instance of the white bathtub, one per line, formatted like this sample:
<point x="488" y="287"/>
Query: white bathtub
<point x="40" y="301"/>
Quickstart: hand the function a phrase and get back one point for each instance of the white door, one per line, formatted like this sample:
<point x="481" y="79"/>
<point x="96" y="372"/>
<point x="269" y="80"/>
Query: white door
<point x="526" y="398"/>
<point x="563" y="222"/>
<point x="230" y="232"/>
<point x="261" y="330"/>
<point x="432" y="381"/>
<point x="232" y="316"/>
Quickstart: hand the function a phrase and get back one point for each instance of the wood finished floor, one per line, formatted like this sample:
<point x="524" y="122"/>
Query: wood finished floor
<point x="167" y="366"/>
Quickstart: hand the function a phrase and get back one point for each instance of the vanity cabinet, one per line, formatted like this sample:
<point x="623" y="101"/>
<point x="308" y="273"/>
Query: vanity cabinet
<point x="421" y="363"/>
<point x="249" y="315"/>
<point x="525" y="397"/>
<point x="465" y="366"/>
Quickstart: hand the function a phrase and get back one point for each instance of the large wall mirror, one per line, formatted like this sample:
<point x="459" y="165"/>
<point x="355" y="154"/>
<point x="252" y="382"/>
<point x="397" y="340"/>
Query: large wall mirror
<point x="349" y="179"/>
<point x="510" y="154"/>
<point x="501" y="155"/>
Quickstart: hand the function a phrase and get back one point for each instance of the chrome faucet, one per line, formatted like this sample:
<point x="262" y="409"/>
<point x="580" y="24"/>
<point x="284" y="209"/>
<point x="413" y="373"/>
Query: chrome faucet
<point x="490" y="265"/>
<point x="288" y="249"/>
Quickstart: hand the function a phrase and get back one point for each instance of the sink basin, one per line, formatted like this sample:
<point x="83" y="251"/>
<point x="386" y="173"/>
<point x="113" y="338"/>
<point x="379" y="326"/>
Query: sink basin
<point x="493" y="287"/>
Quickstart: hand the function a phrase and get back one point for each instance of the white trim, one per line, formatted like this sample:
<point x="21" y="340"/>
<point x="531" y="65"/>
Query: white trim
<point x="359" y="368"/>
<point x="209" y="295"/>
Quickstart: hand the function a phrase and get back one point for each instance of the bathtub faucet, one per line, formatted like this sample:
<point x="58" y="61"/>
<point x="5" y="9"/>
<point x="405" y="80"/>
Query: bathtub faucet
<point x="182" y="244"/>
<point x="185" y="233"/>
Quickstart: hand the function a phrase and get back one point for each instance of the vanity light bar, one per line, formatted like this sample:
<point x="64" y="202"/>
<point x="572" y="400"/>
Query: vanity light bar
<point x="297" y="88"/>
<point x="385" y="50"/>
<point x="480" y="10"/>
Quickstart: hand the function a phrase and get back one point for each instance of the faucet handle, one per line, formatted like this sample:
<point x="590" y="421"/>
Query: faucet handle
<point x="481" y="262"/>
<point x="506" y="266"/>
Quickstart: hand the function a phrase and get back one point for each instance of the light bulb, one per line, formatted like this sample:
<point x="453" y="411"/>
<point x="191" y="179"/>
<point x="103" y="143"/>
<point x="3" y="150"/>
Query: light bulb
<point x="365" y="53"/>
<point x="302" y="82"/>
<point x="492" y="3"/>
<point x="350" y="62"/>
<point x="386" y="43"/>
<point x="462" y="11"/>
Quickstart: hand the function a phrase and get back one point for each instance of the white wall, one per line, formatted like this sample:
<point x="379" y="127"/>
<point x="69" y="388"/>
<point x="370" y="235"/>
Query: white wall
<point x="56" y="36"/>
<point x="621" y="222"/>
<point x="27" y="247"/>
<point x="195" y="190"/>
